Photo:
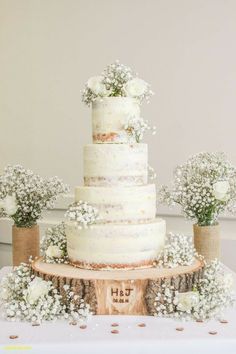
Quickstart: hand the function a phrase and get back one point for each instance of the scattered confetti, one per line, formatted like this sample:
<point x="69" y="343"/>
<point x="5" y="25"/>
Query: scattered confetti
<point x="114" y="331"/>
<point x="83" y="327"/>
<point x="13" y="337"/>
<point x="199" y="321"/>
<point x="142" y="325"/>
<point x="35" y="324"/>
<point x="115" y="325"/>
<point x="224" y="321"/>
<point x="73" y="323"/>
<point x="180" y="329"/>
<point x="212" y="332"/>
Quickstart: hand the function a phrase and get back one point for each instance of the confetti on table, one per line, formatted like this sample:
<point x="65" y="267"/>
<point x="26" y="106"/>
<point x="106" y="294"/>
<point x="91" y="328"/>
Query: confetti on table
<point x="180" y="329"/>
<point x="114" y="331"/>
<point x="142" y="325"/>
<point x="35" y="324"/>
<point x="224" y="321"/>
<point x="13" y="337"/>
<point x="83" y="327"/>
<point x="212" y="333"/>
<point x="199" y="321"/>
<point x="114" y="324"/>
<point x="73" y="323"/>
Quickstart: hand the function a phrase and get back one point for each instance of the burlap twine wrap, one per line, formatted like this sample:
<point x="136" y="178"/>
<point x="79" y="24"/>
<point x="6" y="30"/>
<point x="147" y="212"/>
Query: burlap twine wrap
<point x="25" y="243"/>
<point x="207" y="241"/>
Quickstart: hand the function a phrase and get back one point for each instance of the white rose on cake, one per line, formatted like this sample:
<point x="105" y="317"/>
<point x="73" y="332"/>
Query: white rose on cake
<point x="187" y="301"/>
<point x="37" y="288"/>
<point x="135" y="87"/>
<point x="54" y="251"/>
<point x="96" y="85"/>
<point x="220" y="190"/>
<point x="9" y="205"/>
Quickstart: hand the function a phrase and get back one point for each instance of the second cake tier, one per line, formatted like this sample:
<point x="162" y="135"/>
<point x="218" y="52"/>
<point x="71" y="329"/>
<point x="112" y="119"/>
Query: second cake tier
<point x="115" y="164"/>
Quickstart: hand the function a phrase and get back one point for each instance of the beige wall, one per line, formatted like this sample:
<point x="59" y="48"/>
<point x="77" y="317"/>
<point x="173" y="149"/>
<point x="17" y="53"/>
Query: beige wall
<point x="48" y="49"/>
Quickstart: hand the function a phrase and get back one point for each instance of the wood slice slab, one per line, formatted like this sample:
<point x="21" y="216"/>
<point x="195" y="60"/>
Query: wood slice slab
<point x="119" y="292"/>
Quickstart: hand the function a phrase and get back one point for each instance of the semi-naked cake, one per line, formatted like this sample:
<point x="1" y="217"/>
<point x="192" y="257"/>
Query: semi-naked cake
<point x="128" y="235"/>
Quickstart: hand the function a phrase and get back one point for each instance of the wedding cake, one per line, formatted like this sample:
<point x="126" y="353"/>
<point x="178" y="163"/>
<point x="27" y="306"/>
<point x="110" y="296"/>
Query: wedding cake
<point x="127" y="235"/>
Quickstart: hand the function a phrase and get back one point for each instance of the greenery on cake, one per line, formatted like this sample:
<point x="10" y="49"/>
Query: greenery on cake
<point x="54" y="244"/>
<point x="208" y="298"/>
<point x="24" y="195"/>
<point x="204" y="187"/>
<point x="82" y="214"/>
<point x="26" y="297"/>
<point x="117" y="80"/>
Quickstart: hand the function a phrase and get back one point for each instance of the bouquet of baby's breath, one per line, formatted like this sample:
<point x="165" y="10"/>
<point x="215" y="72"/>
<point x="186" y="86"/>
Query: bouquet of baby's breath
<point x="204" y="187"/>
<point x="117" y="80"/>
<point x="24" y="195"/>
<point x="26" y="297"/>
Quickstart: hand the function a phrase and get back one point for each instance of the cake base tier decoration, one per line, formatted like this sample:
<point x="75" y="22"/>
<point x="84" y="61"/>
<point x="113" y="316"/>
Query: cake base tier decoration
<point x="116" y="245"/>
<point x="116" y="292"/>
<point x="121" y="204"/>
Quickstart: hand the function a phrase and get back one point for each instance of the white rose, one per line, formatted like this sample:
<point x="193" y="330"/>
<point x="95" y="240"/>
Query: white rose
<point x="9" y="204"/>
<point x="97" y="86"/>
<point x="37" y="288"/>
<point x="135" y="87"/>
<point x="220" y="190"/>
<point x="54" y="252"/>
<point x="187" y="301"/>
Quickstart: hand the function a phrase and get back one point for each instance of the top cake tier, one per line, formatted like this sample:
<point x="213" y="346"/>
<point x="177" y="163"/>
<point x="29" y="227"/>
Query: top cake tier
<point x="110" y="116"/>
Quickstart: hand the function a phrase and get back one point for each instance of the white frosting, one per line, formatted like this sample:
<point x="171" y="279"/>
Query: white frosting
<point x="115" y="243"/>
<point x="117" y="204"/>
<point x="115" y="164"/>
<point x="110" y="115"/>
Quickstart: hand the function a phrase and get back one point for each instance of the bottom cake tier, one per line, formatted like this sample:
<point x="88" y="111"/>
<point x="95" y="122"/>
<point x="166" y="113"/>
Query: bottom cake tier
<point x="115" y="246"/>
<point x="127" y="292"/>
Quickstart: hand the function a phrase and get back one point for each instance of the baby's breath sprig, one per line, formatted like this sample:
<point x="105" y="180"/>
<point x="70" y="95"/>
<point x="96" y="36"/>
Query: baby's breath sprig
<point x="136" y="127"/>
<point x="178" y="251"/>
<point x="54" y="244"/>
<point x="82" y="213"/>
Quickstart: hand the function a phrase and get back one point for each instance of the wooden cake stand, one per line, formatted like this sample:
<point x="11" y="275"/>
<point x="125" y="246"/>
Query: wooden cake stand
<point x="119" y="292"/>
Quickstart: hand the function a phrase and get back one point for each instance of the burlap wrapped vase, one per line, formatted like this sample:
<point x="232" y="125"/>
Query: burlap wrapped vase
<point x="207" y="241"/>
<point x="25" y="243"/>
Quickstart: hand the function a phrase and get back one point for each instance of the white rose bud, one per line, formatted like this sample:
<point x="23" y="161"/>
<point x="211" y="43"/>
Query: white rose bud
<point x="9" y="205"/>
<point x="97" y="86"/>
<point x="220" y="190"/>
<point x="187" y="301"/>
<point x="54" y="252"/>
<point x="135" y="87"/>
<point x="37" y="288"/>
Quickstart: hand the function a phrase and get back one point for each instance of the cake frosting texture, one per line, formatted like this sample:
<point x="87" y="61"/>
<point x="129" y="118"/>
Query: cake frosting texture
<point x="127" y="235"/>
<point x="115" y="164"/>
<point x="115" y="245"/>
<point x="109" y="117"/>
<point x="121" y="204"/>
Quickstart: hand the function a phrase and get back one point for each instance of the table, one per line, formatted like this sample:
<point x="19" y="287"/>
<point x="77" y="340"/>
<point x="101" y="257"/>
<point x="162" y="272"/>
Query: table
<point x="158" y="336"/>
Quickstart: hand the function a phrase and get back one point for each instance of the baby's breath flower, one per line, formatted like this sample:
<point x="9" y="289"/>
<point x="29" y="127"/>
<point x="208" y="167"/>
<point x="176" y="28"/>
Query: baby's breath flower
<point x="204" y="187"/>
<point x="117" y="80"/>
<point x="136" y="127"/>
<point x="54" y="244"/>
<point x="24" y="195"/>
<point x="82" y="213"/>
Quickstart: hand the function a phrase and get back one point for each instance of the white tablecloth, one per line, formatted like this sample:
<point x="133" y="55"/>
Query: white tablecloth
<point x="158" y="336"/>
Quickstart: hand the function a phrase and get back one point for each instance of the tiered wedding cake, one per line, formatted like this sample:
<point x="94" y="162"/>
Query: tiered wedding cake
<point x="128" y="234"/>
